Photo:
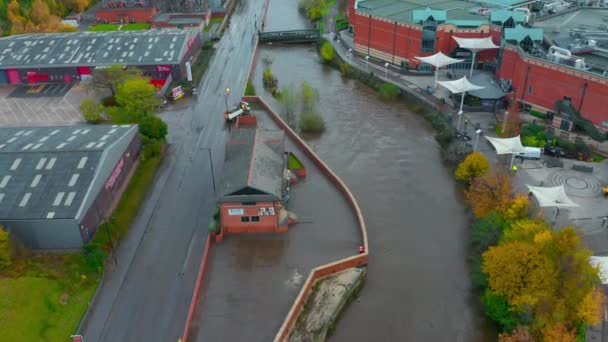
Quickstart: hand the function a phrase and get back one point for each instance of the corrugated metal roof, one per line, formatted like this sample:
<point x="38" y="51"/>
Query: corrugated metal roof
<point x="501" y="16"/>
<point x="254" y="160"/>
<point x="50" y="182"/>
<point x="414" y="11"/>
<point x="149" y="47"/>
<point x="519" y="33"/>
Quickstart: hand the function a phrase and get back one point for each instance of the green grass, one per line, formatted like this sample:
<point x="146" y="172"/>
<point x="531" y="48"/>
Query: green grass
<point x="293" y="163"/>
<point x="211" y="22"/>
<point x="129" y="204"/>
<point x="103" y="27"/>
<point x="31" y="307"/>
<point x="135" y="27"/>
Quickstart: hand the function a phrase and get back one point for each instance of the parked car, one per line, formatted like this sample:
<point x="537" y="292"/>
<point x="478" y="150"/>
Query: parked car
<point x="555" y="151"/>
<point x="530" y="153"/>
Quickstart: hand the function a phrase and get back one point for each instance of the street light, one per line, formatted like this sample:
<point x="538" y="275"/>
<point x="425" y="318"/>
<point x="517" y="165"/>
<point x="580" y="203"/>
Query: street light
<point x="212" y="174"/>
<point x="227" y="94"/>
<point x="386" y="70"/>
<point x="479" y="132"/>
<point x="366" y="63"/>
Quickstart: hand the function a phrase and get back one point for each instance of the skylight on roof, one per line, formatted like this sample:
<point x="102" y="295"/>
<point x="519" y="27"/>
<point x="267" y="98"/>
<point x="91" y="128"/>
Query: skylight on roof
<point x="40" y="163"/>
<point x="37" y="146"/>
<point x="1" y="197"/>
<point x="70" y="199"/>
<point x="72" y="138"/>
<point x="113" y="130"/>
<point x="25" y="199"/>
<point x="54" y="132"/>
<point x="74" y="179"/>
<point x="90" y="145"/>
<point x="5" y="180"/>
<point x="35" y="181"/>
<point x="51" y="163"/>
<point x="28" y="132"/>
<point x="58" y="198"/>
<point x="43" y="139"/>
<point x="27" y="147"/>
<point x="50" y="215"/>
<point x="16" y="163"/>
<point x="82" y="162"/>
<point x="62" y="145"/>
<point x="2" y="146"/>
<point x="86" y="131"/>
<point x="76" y="131"/>
<point x="19" y="133"/>
<point x="100" y="144"/>
<point x="11" y="139"/>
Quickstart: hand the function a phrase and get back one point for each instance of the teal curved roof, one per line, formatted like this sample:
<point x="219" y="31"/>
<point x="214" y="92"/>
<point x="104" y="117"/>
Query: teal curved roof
<point x="504" y="15"/>
<point x="422" y="15"/>
<point x="519" y="33"/>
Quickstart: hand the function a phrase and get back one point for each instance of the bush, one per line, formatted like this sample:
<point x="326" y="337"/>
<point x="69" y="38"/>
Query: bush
<point x="389" y="91"/>
<point x="538" y="114"/>
<point x="249" y="89"/>
<point x="92" y="111"/>
<point x="153" y="127"/>
<point x="94" y="256"/>
<point x="533" y="141"/>
<point x="5" y="248"/>
<point x="327" y="52"/>
<point x="312" y="122"/>
<point x="207" y="45"/>
<point x="151" y="147"/>
<point x="313" y="9"/>
<point x="270" y="81"/>
<point x="344" y="69"/>
<point x="498" y="310"/>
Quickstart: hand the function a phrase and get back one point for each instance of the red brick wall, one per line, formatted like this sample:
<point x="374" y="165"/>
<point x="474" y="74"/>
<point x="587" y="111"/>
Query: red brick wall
<point x="551" y="82"/>
<point x="141" y="15"/>
<point x="396" y="42"/>
<point x="233" y="224"/>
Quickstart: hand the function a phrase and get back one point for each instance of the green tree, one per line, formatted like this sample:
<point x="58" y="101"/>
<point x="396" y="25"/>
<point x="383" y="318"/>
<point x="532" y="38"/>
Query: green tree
<point x="137" y="97"/>
<point x="474" y="165"/>
<point x="5" y="248"/>
<point x="110" y="77"/>
<point x="313" y="9"/>
<point x="309" y="96"/>
<point x="327" y="52"/>
<point x="487" y="232"/>
<point x="289" y="101"/>
<point x="92" y="111"/>
<point x="249" y="89"/>
<point x="497" y="309"/>
<point x="153" y="127"/>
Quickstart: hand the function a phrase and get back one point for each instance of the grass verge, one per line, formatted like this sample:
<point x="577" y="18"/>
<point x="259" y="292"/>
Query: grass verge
<point x="103" y="27"/>
<point x="212" y="22"/>
<point x="44" y="296"/>
<point x="135" y="27"/>
<point x="129" y="204"/>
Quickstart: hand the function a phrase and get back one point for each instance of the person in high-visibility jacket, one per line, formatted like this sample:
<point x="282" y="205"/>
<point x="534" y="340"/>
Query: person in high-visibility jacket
<point x="514" y="168"/>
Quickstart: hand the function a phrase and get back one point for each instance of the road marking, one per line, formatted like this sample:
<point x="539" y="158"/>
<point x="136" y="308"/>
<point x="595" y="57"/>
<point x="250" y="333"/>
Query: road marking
<point x="190" y="245"/>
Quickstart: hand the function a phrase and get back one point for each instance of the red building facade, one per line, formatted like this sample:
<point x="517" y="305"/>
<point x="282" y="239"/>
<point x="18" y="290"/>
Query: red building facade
<point x="540" y="84"/>
<point x="396" y="41"/>
<point x="125" y="15"/>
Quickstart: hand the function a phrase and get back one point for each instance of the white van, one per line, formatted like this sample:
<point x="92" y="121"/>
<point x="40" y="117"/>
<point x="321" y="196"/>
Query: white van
<point x="530" y="153"/>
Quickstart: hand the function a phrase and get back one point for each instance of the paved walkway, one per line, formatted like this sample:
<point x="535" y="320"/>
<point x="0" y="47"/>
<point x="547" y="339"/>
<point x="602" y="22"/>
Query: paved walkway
<point x="254" y="278"/>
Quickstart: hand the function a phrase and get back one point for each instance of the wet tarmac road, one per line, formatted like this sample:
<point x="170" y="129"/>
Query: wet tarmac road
<point x="153" y="300"/>
<point x="417" y="287"/>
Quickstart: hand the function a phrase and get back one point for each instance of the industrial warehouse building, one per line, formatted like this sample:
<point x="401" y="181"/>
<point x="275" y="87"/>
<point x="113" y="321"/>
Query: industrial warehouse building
<point x="57" y="184"/>
<point x="69" y="57"/>
<point x="525" y="66"/>
<point x="254" y="182"/>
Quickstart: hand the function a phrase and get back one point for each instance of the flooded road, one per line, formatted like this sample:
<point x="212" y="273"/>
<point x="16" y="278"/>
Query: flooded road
<point x="418" y="287"/>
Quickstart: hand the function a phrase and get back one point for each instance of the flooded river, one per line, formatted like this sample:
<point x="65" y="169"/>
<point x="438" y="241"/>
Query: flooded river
<point x="418" y="286"/>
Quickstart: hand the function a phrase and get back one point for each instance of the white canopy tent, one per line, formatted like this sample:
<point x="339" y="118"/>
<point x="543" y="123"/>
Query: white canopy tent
<point x="475" y="45"/>
<point x="459" y="86"/>
<point x="506" y="146"/>
<point x="438" y="60"/>
<point x="552" y="197"/>
<point x="601" y="262"/>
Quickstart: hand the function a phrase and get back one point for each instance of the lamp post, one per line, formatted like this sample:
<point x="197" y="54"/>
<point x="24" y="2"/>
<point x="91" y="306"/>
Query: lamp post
<point x="460" y="110"/>
<point x="479" y="132"/>
<point x="386" y="70"/>
<point x="226" y="97"/>
<point x="366" y="63"/>
<point x="211" y="162"/>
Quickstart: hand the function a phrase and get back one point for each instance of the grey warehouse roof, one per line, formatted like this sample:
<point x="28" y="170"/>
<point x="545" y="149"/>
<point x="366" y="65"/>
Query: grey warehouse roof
<point x="48" y="172"/>
<point x="253" y="163"/>
<point x="150" y="47"/>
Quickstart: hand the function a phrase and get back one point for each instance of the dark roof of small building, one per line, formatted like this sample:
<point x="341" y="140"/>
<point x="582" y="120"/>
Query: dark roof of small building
<point x="41" y="50"/>
<point x="254" y="163"/>
<point x="47" y="172"/>
<point x="491" y="90"/>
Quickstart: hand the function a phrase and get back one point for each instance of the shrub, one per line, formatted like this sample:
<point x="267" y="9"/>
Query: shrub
<point x="94" y="256"/>
<point x="92" y="111"/>
<point x="389" y="91"/>
<point x="151" y="147"/>
<point x="249" y="89"/>
<point x="327" y="52"/>
<point x="109" y="101"/>
<point x="153" y="127"/>
<point x="538" y="114"/>
<point x="498" y="310"/>
<point x="207" y="45"/>
<point x="533" y="141"/>
<point x="269" y="80"/>
<point x="344" y="69"/>
<point x="312" y="122"/>
<point x="5" y="248"/>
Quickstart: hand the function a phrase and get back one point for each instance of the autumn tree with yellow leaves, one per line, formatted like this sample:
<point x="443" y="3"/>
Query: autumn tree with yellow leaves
<point x="473" y="166"/>
<point x="491" y="192"/>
